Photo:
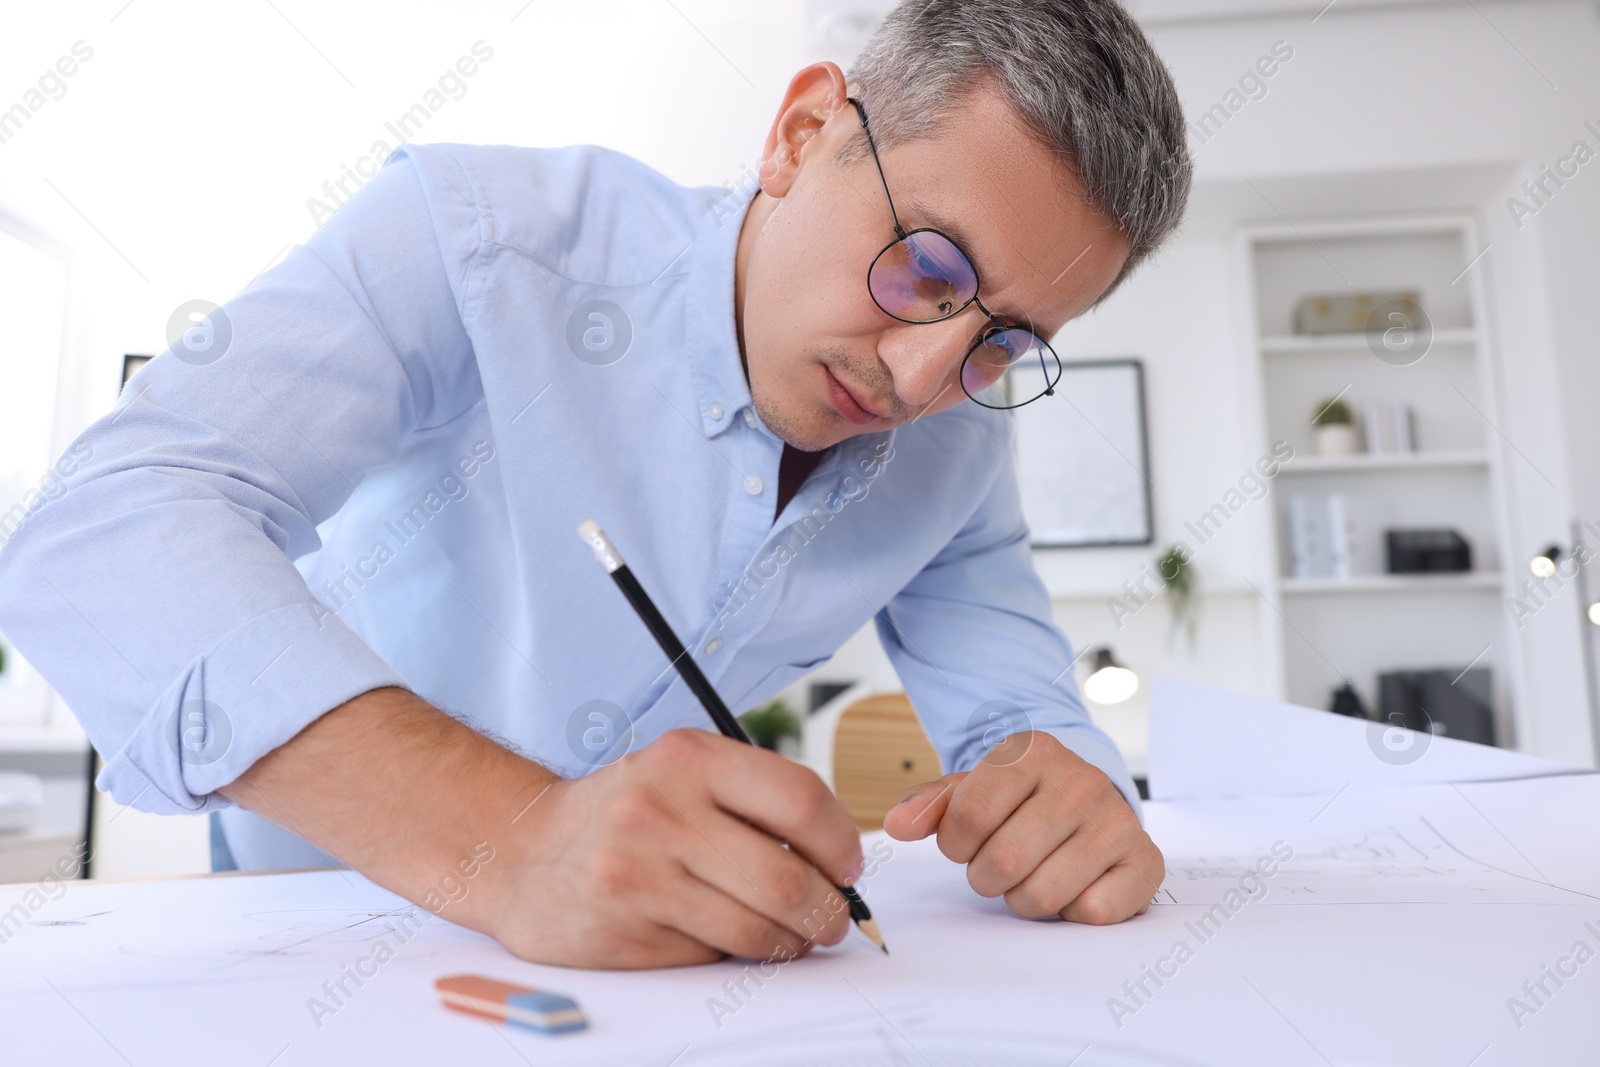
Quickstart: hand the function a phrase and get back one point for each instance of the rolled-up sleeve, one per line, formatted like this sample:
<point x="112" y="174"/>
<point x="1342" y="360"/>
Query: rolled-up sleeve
<point x="974" y="643"/>
<point x="158" y="592"/>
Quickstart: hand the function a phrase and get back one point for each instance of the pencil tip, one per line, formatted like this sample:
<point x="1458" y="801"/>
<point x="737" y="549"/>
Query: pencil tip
<point x="870" y="928"/>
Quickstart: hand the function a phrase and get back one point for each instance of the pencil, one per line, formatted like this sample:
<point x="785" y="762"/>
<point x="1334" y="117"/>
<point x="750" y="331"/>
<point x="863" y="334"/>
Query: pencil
<point x="609" y="558"/>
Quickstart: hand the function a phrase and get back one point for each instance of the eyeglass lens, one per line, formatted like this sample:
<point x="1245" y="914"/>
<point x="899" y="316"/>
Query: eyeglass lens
<point x="923" y="277"/>
<point x="1018" y="355"/>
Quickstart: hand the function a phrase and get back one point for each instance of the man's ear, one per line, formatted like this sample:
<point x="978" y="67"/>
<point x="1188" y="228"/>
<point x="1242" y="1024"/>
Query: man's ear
<point x="815" y="96"/>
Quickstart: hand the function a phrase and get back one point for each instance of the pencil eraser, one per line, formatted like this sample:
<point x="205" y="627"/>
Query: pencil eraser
<point x="604" y="551"/>
<point x="535" y="1009"/>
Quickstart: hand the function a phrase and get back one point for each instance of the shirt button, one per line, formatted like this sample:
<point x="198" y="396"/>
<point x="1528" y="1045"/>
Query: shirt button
<point x="753" y="485"/>
<point x="750" y="417"/>
<point x="715" y="410"/>
<point x="712" y="646"/>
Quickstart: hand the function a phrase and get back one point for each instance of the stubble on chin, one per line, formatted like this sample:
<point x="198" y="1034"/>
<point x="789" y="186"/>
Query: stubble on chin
<point x="794" y="432"/>
<point x="793" y="423"/>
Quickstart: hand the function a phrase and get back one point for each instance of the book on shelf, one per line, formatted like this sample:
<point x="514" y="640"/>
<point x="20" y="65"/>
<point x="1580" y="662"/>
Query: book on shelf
<point x="1308" y="556"/>
<point x="1389" y="428"/>
<point x="1335" y="536"/>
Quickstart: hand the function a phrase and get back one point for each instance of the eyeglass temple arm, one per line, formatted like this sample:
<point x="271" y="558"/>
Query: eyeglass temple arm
<point x="861" y="111"/>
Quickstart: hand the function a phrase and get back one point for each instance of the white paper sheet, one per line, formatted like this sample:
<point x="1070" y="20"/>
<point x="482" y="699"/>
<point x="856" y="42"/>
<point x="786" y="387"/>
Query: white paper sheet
<point x="1207" y="742"/>
<point x="1487" y="842"/>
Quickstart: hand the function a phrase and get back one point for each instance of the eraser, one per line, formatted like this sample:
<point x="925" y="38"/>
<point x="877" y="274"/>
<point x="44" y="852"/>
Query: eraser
<point x="604" y="551"/>
<point x="550" y="1013"/>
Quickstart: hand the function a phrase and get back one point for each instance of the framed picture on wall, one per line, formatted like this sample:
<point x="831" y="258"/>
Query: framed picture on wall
<point x="131" y="363"/>
<point x="1083" y="458"/>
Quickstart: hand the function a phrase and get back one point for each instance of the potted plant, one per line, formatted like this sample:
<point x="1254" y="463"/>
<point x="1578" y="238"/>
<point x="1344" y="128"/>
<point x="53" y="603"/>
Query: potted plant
<point x="772" y="725"/>
<point x="1334" y="425"/>
<point x="1180" y="584"/>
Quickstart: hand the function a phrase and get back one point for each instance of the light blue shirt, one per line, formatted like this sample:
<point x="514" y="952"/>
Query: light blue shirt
<point x="369" y="469"/>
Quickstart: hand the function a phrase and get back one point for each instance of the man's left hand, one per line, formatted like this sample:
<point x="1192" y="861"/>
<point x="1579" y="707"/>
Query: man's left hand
<point x="1037" y="823"/>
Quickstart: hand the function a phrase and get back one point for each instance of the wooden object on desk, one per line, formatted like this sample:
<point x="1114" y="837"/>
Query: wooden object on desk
<point x="880" y="751"/>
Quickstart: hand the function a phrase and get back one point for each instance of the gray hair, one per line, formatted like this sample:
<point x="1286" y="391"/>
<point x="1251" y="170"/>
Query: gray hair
<point x="1081" y="76"/>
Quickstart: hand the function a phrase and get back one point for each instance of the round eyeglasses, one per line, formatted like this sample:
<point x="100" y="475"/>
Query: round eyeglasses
<point x="923" y="276"/>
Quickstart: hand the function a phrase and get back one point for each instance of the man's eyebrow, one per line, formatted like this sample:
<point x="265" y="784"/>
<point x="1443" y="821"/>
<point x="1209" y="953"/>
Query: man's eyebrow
<point x="963" y="239"/>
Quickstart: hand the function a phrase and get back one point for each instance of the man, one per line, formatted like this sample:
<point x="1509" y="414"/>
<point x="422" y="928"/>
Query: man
<point x="784" y="405"/>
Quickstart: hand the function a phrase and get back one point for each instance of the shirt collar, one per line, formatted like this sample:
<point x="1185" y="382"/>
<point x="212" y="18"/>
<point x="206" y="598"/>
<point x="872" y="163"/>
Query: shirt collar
<point x="718" y="379"/>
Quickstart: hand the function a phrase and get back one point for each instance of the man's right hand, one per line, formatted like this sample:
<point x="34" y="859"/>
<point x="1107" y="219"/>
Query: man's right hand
<point x="669" y="856"/>
<point x="672" y="856"/>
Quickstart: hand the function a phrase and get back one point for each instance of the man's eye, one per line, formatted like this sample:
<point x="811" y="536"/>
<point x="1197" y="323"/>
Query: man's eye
<point x="921" y="263"/>
<point x="991" y="336"/>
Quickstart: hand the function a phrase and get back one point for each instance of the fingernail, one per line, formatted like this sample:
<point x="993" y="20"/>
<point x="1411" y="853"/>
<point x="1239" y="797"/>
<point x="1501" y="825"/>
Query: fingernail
<point x="904" y="795"/>
<point x="855" y="871"/>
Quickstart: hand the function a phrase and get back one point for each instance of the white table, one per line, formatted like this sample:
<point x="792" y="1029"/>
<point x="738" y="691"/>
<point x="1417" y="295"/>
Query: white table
<point x="1396" y="935"/>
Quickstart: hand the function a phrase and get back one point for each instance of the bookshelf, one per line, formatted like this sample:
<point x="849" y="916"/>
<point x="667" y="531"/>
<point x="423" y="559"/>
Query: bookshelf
<point x="1467" y="457"/>
<point x="1394" y="583"/>
<point x="1320" y="630"/>
<point x="1288" y="344"/>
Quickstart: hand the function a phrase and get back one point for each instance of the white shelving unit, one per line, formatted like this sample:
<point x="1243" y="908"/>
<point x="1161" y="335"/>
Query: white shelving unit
<point x="1287" y="344"/>
<point x="1395" y="583"/>
<point x="1391" y="461"/>
<point x="1321" y="631"/>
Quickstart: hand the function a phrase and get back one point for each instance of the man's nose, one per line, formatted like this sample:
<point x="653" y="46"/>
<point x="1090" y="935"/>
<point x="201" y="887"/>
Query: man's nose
<point x="925" y="357"/>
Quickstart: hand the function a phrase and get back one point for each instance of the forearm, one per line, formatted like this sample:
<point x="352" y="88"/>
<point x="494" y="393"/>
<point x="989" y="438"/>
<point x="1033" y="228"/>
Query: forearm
<point x="401" y="792"/>
<point x="674" y="854"/>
